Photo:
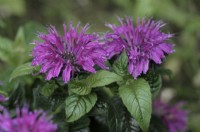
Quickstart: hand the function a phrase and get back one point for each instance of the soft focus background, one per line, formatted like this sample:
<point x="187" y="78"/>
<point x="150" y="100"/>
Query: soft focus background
<point x="21" y="20"/>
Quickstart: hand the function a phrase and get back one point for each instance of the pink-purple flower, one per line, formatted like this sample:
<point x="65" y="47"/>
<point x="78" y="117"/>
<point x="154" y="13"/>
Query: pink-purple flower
<point x="26" y="121"/>
<point x="143" y="43"/>
<point x="174" y="117"/>
<point x="3" y="98"/>
<point x="64" y="55"/>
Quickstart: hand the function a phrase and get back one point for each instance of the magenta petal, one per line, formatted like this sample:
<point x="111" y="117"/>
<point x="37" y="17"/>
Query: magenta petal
<point x="101" y="64"/>
<point x="66" y="73"/>
<point x="167" y="48"/>
<point x="26" y="121"/>
<point x="145" y="64"/>
<point x="65" y="55"/>
<point x="135" y="73"/>
<point x="155" y="57"/>
<point x="50" y="74"/>
<point x="57" y="69"/>
<point x="130" y="67"/>
<point x="88" y="67"/>
<point x="143" y="43"/>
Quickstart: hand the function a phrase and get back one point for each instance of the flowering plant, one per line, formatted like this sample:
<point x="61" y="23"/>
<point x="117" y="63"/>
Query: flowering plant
<point x="87" y="79"/>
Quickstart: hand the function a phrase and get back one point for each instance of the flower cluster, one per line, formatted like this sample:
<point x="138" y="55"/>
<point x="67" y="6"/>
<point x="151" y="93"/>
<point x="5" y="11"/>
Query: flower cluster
<point x="69" y="53"/>
<point x="26" y="121"/>
<point x="75" y="51"/>
<point x="173" y="117"/>
<point x="143" y="43"/>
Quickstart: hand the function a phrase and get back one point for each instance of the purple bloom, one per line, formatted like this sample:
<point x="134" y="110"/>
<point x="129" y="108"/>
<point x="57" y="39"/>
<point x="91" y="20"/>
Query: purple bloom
<point x="3" y="98"/>
<point x="69" y="53"/>
<point x="173" y="116"/>
<point x="143" y="43"/>
<point x="26" y="121"/>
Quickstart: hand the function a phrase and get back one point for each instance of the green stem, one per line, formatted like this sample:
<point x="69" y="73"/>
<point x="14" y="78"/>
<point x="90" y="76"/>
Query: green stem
<point x="108" y="92"/>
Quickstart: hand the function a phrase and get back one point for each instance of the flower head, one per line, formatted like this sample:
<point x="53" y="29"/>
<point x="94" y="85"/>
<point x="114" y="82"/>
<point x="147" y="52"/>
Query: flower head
<point x="173" y="117"/>
<point x="26" y="121"/>
<point x="68" y="54"/>
<point x="143" y="43"/>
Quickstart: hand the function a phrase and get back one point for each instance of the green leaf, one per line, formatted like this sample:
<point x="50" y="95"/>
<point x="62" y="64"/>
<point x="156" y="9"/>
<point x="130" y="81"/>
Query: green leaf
<point x="136" y="96"/>
<point x="30" y="29"/>
<point x="99" y="79"/>
<point x="20" y="48"/>
<point x="3" y="93"/>
<point x="114" y="118"/>
<point x="102" y="78"/>
<point x="5" y="50"/>
<point x="129" y="123"/>
<point x="155" y="85"/>
<point x="77" y="106"/>
<point x="79" y="87"/>
<point x="22" y="70"/>
<point x="20" y="39"/>
<point x="119" y="119"/>
<point x="120" y="65"/>
<point x="48" y="89"/>
<point x="41" y="101"/>
<point x="155" y="81"/>
<point x="82" y="125"/>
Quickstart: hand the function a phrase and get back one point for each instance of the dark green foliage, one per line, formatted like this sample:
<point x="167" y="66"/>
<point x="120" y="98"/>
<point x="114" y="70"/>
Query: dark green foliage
<point x="154" y="79"/>
<point x="21" y="21"/>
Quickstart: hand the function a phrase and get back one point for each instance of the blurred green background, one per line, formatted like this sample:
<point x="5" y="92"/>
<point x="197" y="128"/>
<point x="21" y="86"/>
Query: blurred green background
<point x="20" y="20"/>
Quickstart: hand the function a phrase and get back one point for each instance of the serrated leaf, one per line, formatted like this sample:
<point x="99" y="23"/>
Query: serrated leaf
<point x="155" y="81"/>
<point x="120" y="65"/>
<point x="22" y="70"/>
<point x="79" y="87"/>
<point x="136" y="96"/>
<point x="114" y="118"/>
<point x="48" y="89"/>
<point x="119" y="119"/>
<point x="77" y="106"/>
<point x="155" y="85"/>
<point x="99" y="79"/>
<point x="102" y="78"/>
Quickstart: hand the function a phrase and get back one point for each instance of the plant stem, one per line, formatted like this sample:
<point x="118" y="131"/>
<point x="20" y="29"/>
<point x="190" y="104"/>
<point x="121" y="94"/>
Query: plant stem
<point x="108" y="92"/>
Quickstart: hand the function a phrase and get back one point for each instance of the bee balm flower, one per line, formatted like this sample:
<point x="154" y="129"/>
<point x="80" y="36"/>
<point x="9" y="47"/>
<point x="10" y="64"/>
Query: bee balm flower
<point x="26" y="121"/>
<point x="65" y="55"/>
<point x="143" y="43"/>
<point x="173" y="117"/>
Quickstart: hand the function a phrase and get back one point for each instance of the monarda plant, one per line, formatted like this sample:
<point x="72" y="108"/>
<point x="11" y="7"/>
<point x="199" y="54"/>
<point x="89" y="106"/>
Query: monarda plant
<point x="92" y="82"/>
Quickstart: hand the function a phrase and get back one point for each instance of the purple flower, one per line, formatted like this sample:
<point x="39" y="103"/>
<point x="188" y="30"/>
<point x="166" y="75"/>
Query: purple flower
<point x="26" y="121"/>
<point x="3" y="98"/>
<point x="68" y="54"/>
<point x="143" y="43"/>
<point x="173" y="117"/>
